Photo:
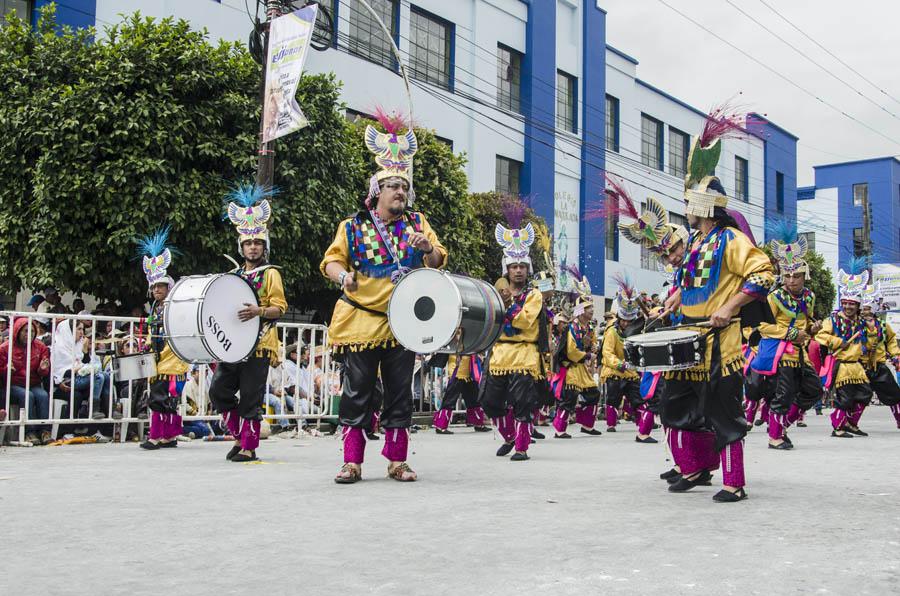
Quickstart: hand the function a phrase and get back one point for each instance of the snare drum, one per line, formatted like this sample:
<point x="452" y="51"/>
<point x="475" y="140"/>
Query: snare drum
<point x="665" y="350"/>
<point x="434" y="311"/>
<point x="201" y="319"/>
<point x="134" y="367"/>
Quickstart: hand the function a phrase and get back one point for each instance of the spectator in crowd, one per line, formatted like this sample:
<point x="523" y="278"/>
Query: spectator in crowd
<point x="313" y="382"/>
<point x="4" y="329"/>
<point x="43" y="329"/>
<point x="138" y="311"/>
<point x="196" y="429"/>
<point x="35" y="301"/>
<point x="77" y="306"/>
<point x="51" y="300"/>
<point x="27" y="361"/>
<point x="74" y="366"/>
<point x="278" y="388"/>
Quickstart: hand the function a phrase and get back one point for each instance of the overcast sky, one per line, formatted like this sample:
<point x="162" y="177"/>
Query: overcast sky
<point x="689" y="63"/>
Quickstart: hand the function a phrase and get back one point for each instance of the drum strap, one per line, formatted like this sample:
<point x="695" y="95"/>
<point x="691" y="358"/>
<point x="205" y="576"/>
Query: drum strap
<point x="356" y="304"/>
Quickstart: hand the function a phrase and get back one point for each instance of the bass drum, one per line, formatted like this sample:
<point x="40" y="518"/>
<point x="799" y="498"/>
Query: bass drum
<point x="201" y="319"/>
<point x="434" y="311"/>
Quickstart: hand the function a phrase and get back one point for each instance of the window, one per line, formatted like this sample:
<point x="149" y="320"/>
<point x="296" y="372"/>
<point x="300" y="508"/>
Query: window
<point x="509" y="78"/>
<point x="741" y="187"/>
<point x="612" y="238"/>
<point x="810" y="240"/>
<point x="612" y="123"/>
<point x="508" y="172"/>
<point x="22" y="8"/>
<point x="779" y="192"/>
<point x="366" y="37"/>
<point x="431" y="49"/>
<point x="679" y="147"/>
<point x="860" y="194"/>
<point x="859" y="245"/>
<point x="566" y="102"/>
<point x="651" y="142"/>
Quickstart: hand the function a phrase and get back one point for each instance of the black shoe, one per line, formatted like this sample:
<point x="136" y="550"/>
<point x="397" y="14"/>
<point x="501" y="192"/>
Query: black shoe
<point x="232" y="452"/>
<point x="519" y="457"/>
<point x="536" y="435"/>
<point x="843" y="434"/>
<point x="673" y="473"/>
<point x="684" y="485"/>
<point x="531" y="441"/>
<point x="168" y="444"/>
<point x="442" y="431"/>
<point x="504" y="450"/>
<point x="801" y="424"/>
<point x="240" y="457"/>
<point x="818" y="412"/>
<point x="856" y="431"/>
<point x="783" y="446"/>
<point x="724" y="496"/>
<point x="374" y="436"/>
<point x="150" y="445"/>
<point x="610" y="429"/>
<point x="562" y="436"/>
<point x="656" y="426"/>
<point x="758" y="423"/>
<point x="648" y="440"/>
<point x="677" y="477"/>
<point x="482" y="429"/>
<point x="591" y="431"/>
<point x="749" y="427"/>
<point x="787" y="440"/>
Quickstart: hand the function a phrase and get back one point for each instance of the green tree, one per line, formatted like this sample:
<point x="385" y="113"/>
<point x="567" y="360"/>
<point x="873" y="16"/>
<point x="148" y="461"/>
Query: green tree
<point x="489" y="210"/>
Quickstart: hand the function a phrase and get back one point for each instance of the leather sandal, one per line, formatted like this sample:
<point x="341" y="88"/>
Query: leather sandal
<point x="402" y="472"/>
<point x="349" y="474"/>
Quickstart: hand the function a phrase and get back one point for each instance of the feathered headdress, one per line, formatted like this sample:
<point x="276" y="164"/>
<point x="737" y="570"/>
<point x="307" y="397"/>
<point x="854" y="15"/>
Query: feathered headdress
<point x="156" y="256"/>
<point x="545" y="243"/>
<point x="852" y="283"/>
<point x="393" y="149"/>
<point x="703" y="192"/>
<point x="583" y="296"/>
<point x="872" y="297"/>
<point x="248" y="208"/>
<point x="651" y="229"/>
<point x="514" y="240"/>
<point x="628" y="305"/>
<point x="788" y="247"/>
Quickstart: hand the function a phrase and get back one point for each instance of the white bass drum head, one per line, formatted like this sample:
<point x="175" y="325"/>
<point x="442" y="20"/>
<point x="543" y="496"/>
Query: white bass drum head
<point x="425" y="311"/>
<point x="227" y="338"/>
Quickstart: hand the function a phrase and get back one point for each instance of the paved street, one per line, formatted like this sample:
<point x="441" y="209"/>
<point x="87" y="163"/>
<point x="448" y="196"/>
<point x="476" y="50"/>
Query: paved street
<point x="583" y="517"/>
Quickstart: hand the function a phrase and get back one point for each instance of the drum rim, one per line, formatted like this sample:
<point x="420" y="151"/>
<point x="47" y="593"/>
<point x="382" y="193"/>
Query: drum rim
<point x="498" y="328"/>
<point x="212" y="277"/>
<point x="459" y="311"/>
<point x="693" y="335"/>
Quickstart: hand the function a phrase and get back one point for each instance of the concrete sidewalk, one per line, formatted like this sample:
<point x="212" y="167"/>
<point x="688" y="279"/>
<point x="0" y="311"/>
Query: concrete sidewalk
<point x="584" y="516"/>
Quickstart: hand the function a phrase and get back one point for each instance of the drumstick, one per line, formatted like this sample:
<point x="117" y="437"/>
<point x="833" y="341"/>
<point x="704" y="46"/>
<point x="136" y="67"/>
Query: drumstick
<point x="703" y="324"/>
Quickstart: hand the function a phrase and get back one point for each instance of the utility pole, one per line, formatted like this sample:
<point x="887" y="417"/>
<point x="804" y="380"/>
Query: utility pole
<point x="265" y="167"/>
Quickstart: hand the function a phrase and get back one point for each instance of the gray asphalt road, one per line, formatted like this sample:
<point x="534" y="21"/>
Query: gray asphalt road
<point x="581" y="517"/>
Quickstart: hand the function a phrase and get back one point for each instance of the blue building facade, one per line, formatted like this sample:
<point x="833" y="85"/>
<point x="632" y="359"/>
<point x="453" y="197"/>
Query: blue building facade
<point x="780" y="178"/>
<point x="74" y="13"/>
<point x="876" y="181"/>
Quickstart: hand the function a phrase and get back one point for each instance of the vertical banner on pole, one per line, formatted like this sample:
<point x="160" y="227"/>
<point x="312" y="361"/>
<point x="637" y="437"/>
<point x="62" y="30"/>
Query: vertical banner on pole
<point x="289" y="38"/>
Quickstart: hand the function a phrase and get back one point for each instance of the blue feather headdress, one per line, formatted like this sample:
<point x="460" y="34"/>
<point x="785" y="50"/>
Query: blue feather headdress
<point x="787" y="245"/>
<point x="156" y="254"/>
<point x="247" y="206"/>
<point x="852" y="282"/>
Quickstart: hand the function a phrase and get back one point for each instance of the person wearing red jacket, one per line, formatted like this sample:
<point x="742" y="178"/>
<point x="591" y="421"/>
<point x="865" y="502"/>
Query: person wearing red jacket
<point x="26" y="361"/>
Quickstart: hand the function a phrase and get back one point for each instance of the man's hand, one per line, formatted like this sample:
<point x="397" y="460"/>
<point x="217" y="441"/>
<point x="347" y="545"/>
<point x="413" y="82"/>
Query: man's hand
<point x="506" y="296"/>
<point x="816" y="327"/>
<point x="722" y="317"/>
<point x="65" y="387"/>
<point x="45" y="364"/>
<point x="802" y="337"/>
<point x="350" y="284"/>
<point x="673" y="302"/>
<point x="248" y="312"/>
<point x="418" y="241"/>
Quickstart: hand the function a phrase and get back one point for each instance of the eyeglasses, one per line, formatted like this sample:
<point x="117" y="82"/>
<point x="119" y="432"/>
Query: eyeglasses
<point x="397" y="185"/>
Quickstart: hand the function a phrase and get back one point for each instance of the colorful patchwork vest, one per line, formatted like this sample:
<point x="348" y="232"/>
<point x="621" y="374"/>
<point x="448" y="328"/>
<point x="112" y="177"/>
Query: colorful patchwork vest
<point x="368" y="252"/>
<point x="698" y="278"/>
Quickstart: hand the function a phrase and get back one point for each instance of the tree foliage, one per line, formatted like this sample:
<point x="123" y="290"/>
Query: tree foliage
<point x="104" y="140"/>
<point x="489" y="209"/>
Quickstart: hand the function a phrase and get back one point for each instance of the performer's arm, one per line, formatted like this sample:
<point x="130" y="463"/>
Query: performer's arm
<point x="751" y="264"/>
<point x="275" y="293"/>
<point x="530" y="312"/>
<point x="573" y="354"/>
<point x="335" y="264"/>
<point x="778" y="329"/>
<point x="609" y="358"/>
<point x="435" y="255"/>
<point x="826" y="336"/>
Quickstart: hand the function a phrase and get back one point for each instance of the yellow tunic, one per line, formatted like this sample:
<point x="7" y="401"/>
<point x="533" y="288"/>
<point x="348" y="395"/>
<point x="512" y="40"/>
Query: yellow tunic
<point x="271" y="294"/>
<point x="518" y="353"/>
<point x="883" y="349"/>
<point x="464" y="372"/>
<point x="850" y="370"/>
<point x="613" y="357"/>
<point x="743" y="268"/>
<point x="353" y="328"/>
<point x="782" y="328"/>
<point x="578" y="376"/>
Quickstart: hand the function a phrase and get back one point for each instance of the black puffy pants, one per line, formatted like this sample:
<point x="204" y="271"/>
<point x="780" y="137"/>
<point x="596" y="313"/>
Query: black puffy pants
<point x="795" y="385"/>
<point x="884" y="384"/>
<point x="248" y="377"/>
<point x="360" y="397"/>
<point x="514" y="390"/>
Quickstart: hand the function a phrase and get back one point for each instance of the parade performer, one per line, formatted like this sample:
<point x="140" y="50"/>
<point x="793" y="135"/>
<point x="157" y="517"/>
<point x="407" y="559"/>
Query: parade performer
<point x="623" y="383"/>
<point x="574" y="382"/>
<point x="248" y="208"/>
<point x="846" y="336"/>
<point x="171" y="371"/>
<point x="881" y="379"/>
<point x="370" y="252"/>
<point x="722" y="273"/>
<point x="782" y="347"/>
<point x="509" y="394"/>
<point x="463" y="384"/>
